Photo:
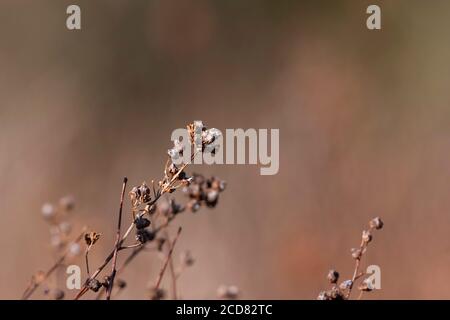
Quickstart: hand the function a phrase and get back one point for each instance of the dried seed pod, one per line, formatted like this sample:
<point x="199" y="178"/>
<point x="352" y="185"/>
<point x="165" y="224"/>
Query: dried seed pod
<point x="336" y="294"/>
<point x="194" y="205"/>
<point x="160" y="243"/>
<point x="186" y="258"/>
<point x="218" y="185"/>
<point x="48" y="211"/>
<point x="67" y="203"/>
<point x="323" y="295"/>
<point x="376" y="223"/>
<point x="356" y="253"/>
<point x="56" y="294"/>
<point x="346" y="284"/>
<point x="65" y="227"/>
<point x="141" y="222"/>
<point x="198" y="179"/>
<point x="150" y="209"/>
<point x="173" y="169"/>
<point x="210" y="135"/>
<point x="56" y="241"/>
<point x="94" y="285"/>
<point x="182" y="176"/>
<point x="156" y="294"/>
<point x="366" y="286"/>
<point x="212" y="198"/>
<point x="121" y="283"/>
<point x="333" y="276"/>
<point x="135" y="193"/>
<point x="144" y="235"/>
<point x="144" y="193"/>
<point x="366" y="236"/>
<point x="175" y="207"/>
<point x="74" y="249"/>
<point x="39" y="277"/>
<point x="91" y="238"/>
<point x="194" y="191"/>
<point x="164" y="208"/>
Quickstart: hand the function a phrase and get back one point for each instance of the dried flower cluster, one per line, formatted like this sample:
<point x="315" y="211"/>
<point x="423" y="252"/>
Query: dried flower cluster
<point x="344" y="289"/>
<point x="64" y="249"/>
<point x="150" y="217"/>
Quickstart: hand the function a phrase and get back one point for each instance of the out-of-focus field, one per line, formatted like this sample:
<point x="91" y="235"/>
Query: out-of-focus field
<point x="364" y="131"/>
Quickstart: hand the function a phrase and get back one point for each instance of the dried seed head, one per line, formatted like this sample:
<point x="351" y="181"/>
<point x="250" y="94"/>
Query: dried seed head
<point x="336" y="294"/>
<point x="175" y="207"/>
<point x="164" y="208"/>
<point x="194" y="205"/>
<point x="56" y="241"/>
<point x="39" y="277"/>
<point x="228" y="292"/>
<point x="346" y="284"/>
<point x="194" y="191"/>
<point x="135" y="193"/>
<point x="212" y="197"/>
<point x="56" y="294"/>
<point x="323" y="296"/>
<point x="144" y="191"/>
<point x="74" y="249"/>
<point x="67" y="203"/>
<point x="177" y="150"/>
<point x="141" y="222"/>
<point x="376" y="223"/>
<point x="333" y="276"/>
<point x="144" y="235"/>
<point x="173" y="169"/>
<point x="121" y="283"/>
<point x="48" y="211"/>
<point x="91" y="238"/>
<point x="356" y="253"/>
<point x="366" y="286"/>
<point x="150" y="209"/>
<point x="218" y="185"/>
<point x="94" y="285"/>
<point x="186" y="258"/>
<point x="65" y="227"/>
<point x="366" y="236"/>
<point x="160" y="243"/>
<point x="210" y="135"/>
<point x="156" y="294"/>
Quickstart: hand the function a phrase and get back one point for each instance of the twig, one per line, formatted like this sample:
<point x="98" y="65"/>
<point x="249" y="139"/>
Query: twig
<point x="118" y="244"/>
<point x="164" y="267"/>
<point x="34" y="285"/>
<point x="172" y="272"/>
<point x="356" y="274"/>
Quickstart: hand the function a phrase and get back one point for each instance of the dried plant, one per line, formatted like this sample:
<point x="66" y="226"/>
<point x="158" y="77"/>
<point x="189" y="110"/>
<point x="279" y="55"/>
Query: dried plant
<point x="150" y="217"/>
<point x="63" y="248"/>
<point x="344" y="289"/>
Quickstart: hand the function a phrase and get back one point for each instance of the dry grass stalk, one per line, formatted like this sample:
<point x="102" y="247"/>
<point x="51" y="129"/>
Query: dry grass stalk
<point x="344" y="290"/>
<point x="144" y="205"/>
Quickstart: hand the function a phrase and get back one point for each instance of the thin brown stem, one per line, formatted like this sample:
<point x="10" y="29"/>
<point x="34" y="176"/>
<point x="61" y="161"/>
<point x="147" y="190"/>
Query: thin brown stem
<point x="118" y="244"/>
<point x="356" y="274"/>
<point x="34" y="285"/>
<point x="172" y="273"/>
<point x="85" y="287"/>
<point x="87" y="259"/>
<point x="164" y="267"/>
<point x="163" y="189"/>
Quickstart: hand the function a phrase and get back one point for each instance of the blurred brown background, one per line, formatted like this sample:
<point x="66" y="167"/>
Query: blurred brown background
<point x="364" y="129"/>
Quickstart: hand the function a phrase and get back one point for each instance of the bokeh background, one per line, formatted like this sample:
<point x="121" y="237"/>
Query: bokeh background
<point x="364" y="131"/>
